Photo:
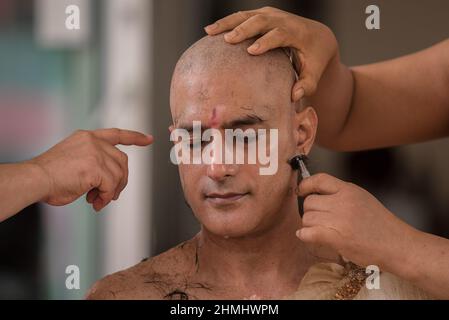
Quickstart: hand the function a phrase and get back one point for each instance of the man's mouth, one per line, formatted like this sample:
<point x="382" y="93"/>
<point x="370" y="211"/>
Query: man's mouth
<point x="225" y="198"/>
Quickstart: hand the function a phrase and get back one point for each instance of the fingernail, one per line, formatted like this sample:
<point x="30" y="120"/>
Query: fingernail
<point x="298" y="233"/>
<point x="254" y="47"/>
<point x="212" y="27"/>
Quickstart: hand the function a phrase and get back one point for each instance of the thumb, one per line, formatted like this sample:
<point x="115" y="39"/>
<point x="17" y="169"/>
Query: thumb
<point x="305" y="86"/>
<point x="318" y="235"/>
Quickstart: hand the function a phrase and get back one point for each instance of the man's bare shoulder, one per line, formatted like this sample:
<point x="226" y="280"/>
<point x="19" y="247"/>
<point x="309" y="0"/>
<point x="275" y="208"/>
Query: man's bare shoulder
<point x="160" y="277"/>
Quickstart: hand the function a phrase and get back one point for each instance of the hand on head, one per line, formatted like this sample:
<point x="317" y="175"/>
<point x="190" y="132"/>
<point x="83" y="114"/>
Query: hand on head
<point x="314" y="43"/>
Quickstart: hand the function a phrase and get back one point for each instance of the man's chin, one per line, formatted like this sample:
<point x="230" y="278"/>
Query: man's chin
<point x="233" y="225"/>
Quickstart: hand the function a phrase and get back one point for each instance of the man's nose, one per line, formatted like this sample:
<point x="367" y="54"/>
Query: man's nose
<point x="222" y="163"/>
<point x="220" y="171"/>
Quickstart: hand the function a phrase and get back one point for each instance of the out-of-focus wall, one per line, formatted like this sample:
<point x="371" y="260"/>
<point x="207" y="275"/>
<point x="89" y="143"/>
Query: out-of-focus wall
<point x="127" y="76"/>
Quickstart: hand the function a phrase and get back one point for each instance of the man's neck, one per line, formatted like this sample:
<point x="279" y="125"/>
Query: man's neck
<point x="272" y="261"/>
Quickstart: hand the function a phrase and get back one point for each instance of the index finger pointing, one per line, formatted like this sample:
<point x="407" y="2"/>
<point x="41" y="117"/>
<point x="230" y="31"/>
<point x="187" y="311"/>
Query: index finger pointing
<point x="124" y="137"/>
<point x="319" y="184"/>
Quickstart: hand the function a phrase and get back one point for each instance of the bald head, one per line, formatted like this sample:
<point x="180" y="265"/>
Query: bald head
<point x="213" y="71"/>
<point x="214" y="54"/>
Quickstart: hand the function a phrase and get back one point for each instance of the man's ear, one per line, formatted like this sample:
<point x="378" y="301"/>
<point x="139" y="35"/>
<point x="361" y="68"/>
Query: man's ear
<point x="305" y="124"/>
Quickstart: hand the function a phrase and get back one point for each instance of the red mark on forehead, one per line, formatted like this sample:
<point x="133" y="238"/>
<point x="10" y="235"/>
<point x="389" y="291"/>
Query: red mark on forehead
<point x="214" y="119"/>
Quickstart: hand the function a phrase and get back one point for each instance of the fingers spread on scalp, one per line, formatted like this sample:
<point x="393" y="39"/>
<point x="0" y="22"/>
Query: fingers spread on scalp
<point x="271" y="40"/>
<point x="255" y="25"/>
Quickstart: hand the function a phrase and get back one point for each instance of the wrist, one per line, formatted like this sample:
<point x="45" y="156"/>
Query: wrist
<point x="38" y="178"/>
<point x="403" y="262"/>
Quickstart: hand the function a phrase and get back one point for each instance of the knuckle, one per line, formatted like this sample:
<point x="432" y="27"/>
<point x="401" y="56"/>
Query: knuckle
<point x="314" y="198"/>
<point x="322" y="177"/>
<point x="115" y="131"/>
<point x="281" y="31"/>
<point x="307" y="219"/>
<point x="84" y="134"/>
<point x="260" y="18"/>
<point x="308" y="202"/>
<point x="282" y="36"/>
<point x="239" y="30"/>
<point x="243" y="14"/>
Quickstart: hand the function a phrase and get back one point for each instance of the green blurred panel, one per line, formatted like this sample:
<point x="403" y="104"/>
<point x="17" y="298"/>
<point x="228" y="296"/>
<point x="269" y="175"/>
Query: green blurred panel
<point x="23" y="64"/>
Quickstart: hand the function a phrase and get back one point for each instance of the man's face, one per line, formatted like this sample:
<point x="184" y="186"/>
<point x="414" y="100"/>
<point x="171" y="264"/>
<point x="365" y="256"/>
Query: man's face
<point x="234" y="199"/>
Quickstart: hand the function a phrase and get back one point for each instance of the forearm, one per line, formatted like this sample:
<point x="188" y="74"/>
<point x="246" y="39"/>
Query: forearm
<point x="395" y="102"/>
<point x="332" y="101"/>
<point x="21" y="184"/>
<point x="425" y="263"/>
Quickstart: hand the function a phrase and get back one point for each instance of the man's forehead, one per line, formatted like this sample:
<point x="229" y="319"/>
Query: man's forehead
<point x="222" y="116"/>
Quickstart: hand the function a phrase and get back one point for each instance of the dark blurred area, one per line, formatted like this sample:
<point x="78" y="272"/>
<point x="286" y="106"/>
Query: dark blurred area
<point x="20" y="249"/>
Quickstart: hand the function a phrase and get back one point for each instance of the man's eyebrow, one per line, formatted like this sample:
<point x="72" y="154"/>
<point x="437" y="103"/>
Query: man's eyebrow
<point x="247" y="120"/>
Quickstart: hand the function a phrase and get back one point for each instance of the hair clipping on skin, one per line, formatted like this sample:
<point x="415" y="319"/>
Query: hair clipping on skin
<point x="292" y="55"/>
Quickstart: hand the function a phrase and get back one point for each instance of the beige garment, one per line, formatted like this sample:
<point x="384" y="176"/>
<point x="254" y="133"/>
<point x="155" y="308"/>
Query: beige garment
<point x="324" y="280"/>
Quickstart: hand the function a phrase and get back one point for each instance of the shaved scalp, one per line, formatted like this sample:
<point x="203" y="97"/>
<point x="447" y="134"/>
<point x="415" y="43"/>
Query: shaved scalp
<point x="214" y="54"/>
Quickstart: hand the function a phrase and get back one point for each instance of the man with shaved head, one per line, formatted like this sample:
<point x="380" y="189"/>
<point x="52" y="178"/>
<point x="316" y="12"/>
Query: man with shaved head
<point x="247" y="245"/>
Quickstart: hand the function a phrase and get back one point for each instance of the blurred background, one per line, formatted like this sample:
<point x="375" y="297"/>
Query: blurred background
<point x="115" y="72"/>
